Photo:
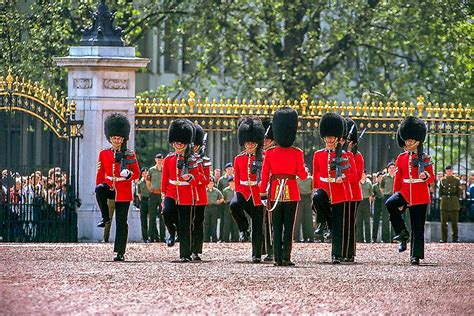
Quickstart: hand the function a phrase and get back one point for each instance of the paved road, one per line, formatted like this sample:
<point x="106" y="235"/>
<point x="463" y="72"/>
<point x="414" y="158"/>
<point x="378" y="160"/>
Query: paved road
<point x="81" y="278"/>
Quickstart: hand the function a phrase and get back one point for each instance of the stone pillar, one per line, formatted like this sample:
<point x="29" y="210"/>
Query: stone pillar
<point x="101" y="80"/>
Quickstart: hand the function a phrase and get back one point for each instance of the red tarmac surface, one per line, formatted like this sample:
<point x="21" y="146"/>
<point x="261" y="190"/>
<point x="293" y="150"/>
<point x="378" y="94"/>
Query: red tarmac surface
<point x="81" y="278"/>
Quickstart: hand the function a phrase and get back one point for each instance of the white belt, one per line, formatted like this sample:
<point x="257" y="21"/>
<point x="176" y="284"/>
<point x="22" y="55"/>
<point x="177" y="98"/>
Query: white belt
<point x="249" y="183"/>
<point x="116" y="178"/>
<point x="413" y="180"/>
<point x="327" y="179"/>
<point x="178" y="183"/>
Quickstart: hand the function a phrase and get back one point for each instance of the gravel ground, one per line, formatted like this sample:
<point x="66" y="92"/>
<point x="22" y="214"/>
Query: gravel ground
<point x="82" y="278"/>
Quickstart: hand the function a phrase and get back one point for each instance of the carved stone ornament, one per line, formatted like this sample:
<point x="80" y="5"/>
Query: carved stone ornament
<point x="82" y="83"/>
<point x="116" y="84"/>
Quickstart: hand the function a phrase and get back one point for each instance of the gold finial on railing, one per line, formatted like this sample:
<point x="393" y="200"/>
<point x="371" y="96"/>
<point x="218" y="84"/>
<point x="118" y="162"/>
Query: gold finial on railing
<point x="451" y="110"/>
<point x="365" y="108"/>
<point x="388" y="109"/>
<point x="372" y="108"/>
<point x="175" y="106"/>
<point x="161" y="106"/>
<point x="214" y="106"/>
<point x="228" y="107"/>
<point x="460" y="110"/>
<point x="358" y="107"/>
<point x="206" y="105"/>
<point x="191" y="101"/>
<point x="468" y="111"/>
<point x="139" y="105"/>
<point x="429" y="110"/>
<point x="420" y="105"/>
<point x="444" y="110"/>
<point x="266" y="106"/>
<point x="9" y="78"/>
<point x="183" y="106"/>
<point x="236" y="106"/>
<point x="312" y="107"/>
<point x="304" y="103"/>
<point x="2" y="84"/>
<point x="411" y="109"/>
<point x="16" y="83"/>
<point x="23" y="84"/>
<point x="221" y="106"/>
<point x="404" y="109"/>
<point x="436" y="110"/>
<point x="251" y="107"/>
<point x="343" y="107"/>
<point x="381" y="109"/>
<point x="272" y="106"/>
<point x="168" y="106"/>
<point x="259" y="107"/>
<point x="350" y="108"/>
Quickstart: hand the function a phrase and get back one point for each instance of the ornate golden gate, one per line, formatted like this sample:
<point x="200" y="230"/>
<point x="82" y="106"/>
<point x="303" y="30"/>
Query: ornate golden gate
<point x="449" y="138"/>
<point x="38" y="162"/>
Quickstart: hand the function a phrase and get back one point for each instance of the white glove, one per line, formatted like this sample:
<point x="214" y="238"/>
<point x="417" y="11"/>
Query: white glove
<point x="125" y="173"/>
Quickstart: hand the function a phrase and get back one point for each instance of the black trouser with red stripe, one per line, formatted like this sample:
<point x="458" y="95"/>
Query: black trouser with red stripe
<point x="197" y="237"/>
<point x="417" y="221"/>
<point x="349" y="229"/>
<point x="283" y="222"/>
<point x="239" y="206"/>
<point x="322" y="206"/>
<point x="179" y="217"/>
<point x="103" y="193"/>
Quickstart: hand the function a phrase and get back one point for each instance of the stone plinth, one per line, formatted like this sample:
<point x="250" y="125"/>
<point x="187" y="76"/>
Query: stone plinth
<point x="101" y="80"/>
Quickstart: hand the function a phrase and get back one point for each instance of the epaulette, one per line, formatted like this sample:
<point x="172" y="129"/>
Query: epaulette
<point x="322" y="149"/>
<point x="170" y="154"/>
<point x="271" y="147"/>
<point x="297" y="148"/>
<point x="242" y="153"/>
<point x="206" y="161"/>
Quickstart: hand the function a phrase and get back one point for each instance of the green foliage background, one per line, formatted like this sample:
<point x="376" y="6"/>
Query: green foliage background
<point x="388" y="49"/>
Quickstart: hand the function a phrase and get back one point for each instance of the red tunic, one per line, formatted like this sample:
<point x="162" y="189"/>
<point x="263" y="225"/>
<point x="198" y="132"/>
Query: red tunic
<point x="204" y="166"/>
<point x="356" y="188"/>
<point x="337" y="192"/>
<point x="413" y="189"/>
<point x="283" y="161"/>
<point x="107" y="169"/>
<point x="246" y="182"/>
<point x="174" y="186"/>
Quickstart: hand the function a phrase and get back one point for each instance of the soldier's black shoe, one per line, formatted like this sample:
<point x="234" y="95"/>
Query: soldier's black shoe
<point x="256" y="259"/>
<point x="287" y="263"/>
<point x="103" y="222"/>
<point x="402" y="238"/>
<point x="336" y="260"/>
<point x="349" y="259"/>
<point x="278" y="263"/>
<point x="244" y="236"/>
<point x="184" y="259"/>
<point x="319" y="232"/>
<point x="415" y="261"/>
<point x="328" y="234"/>
<point x="170" y="241"/>
<point x="119" y="257"/>
<point x="195" y="257"/>
<point x="268" y="258"/>
<point x="404" y="235"/>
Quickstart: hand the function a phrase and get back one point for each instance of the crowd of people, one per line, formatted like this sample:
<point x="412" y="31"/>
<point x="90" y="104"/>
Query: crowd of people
<point x="28" y="200"/>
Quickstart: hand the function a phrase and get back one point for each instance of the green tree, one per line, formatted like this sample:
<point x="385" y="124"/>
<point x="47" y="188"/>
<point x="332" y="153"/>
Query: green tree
<point x="388" y="49"/>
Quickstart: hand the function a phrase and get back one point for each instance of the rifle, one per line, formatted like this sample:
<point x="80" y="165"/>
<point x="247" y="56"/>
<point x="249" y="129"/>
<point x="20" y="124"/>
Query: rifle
<point x="257" y="164"/>
<point x="202" y="150"/>
<point x="338" y="162"/>
<point x="184" y="164"/>
<point x="355" y="147"/>
<point x="418" y="162"/>
<point x="346" y="144"/>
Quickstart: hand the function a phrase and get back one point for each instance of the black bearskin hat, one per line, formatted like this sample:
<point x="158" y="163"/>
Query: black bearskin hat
<point x="267" y="125"/>
<point x="331" y="124"/>
<point x="117" y="124"/>
<point x="182" y="131"/>
<point x="413" y="128"/>
<point x="285" y="125"/>
<point x="400" y="141"/>
<point x="250" y="130"/>
<point x="355" y="133"/>
<point x="199" y="136"/>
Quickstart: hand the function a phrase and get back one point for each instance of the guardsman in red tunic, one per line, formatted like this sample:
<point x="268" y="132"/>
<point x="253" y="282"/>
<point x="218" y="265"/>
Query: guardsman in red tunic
<point x="282" y="164"/>
<point x="331" y="169"/>
<point x="269" y="142"/>
<point x="180" y="174"/>
<point x="117" y="167"/>
<point x="349" y="144"/>
<point x="247" y="167"/>
<point x="200" y="195"/>
<point x="411" y="188"/>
